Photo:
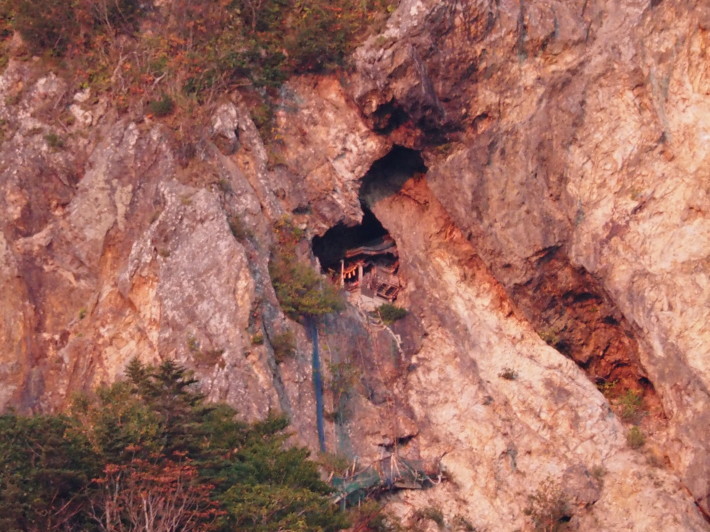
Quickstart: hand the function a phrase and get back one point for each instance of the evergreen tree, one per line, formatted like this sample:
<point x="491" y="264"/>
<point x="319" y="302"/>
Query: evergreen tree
<point x="45" y="466"/>
<point x="149" y="453"/>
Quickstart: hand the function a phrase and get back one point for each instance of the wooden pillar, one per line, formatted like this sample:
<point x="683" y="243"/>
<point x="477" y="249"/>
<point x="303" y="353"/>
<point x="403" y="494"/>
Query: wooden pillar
<point x="342" y="272"/>
<point x="359" y="277"/>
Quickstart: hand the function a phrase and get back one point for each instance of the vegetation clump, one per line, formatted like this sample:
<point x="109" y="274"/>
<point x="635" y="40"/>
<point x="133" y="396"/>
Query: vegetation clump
<point x="635" y="438"/>
<point x="301" y="291"/>
<point x="54" y="25"/>
<point x="548" y="508"/>
<point x="54" y="141"/>
<point x="239" y="229"/>
<point x="371" y="516"/>
<point x="284" y="345"/>
<point x="193" y="49"/>
<point x="508" y="374"/>
<point x="389" y="313"/>
<point x="151" y="447"/>
<point x="162" y="107"/>
<point x="631" y="405"/>
<point x="44" y="25"/>
<point x="607" y="388"/>
<point x="343" y="377"/>
<point x="431" y="513"/>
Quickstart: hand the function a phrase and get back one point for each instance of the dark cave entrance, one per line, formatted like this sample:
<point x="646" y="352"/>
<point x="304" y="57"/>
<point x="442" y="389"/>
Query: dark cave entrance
<point x="331" y="247"/>
<point x="388" y="174"/>
<point x="363" y="258"/>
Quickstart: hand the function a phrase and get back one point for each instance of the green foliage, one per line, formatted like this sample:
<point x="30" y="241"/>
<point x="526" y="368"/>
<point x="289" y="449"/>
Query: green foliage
<point x="370" y="516"/>
<point x="208" y="357"/>
<point x="599" y="472"/>
<point x="270" y="487"/>
<point x="300" y="290"/>
<point x="45" y="24"/>
<point x="53" y="25"/>
<point x="266" y="508"/>
<point x="263" y="117"/>
<point x="203" y="357"/>
<point x="156" y="410"/>
<point x="390" y="313"/>
<point x="225" y="186"/>
<point x="317" y="35"/>
<point x="151" y="445"/>
<point x="334" y="463"/>
<point x="550" y="336"/>
<point x="631" y="405"/>
<point x="5" y="19"/>
<point x="193" y="50"/>
<point x="322" y="37"/>
<point x="431" y="513"/>
<point x="112" y="15"/>
<point x="607" y="388"/>
<point x="5" y="33"/>
<point x="45" y="465"/>
<point x="343" y="377"/>
<point x="463" y="524"/>
<point x="116" y="420"/>
<point x="170" y="392"/>
<point x="262" y="41"/>
<point x="162" y="107"/>
<point x="54" y="141"/>
<point x="284" y="345"/>
<point x="635" y="438"/>
<point x="193" y="344"/>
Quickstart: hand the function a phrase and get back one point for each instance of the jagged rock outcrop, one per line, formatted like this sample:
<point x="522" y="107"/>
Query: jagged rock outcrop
<point x="565" y="202"/>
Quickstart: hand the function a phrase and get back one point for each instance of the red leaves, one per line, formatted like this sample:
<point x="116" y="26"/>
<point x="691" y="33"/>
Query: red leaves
<point x="160" y="494"/>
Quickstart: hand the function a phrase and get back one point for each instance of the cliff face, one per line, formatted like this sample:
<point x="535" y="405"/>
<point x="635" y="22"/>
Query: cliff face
<point x="578" y="171"/>
<point x="543" y="168"/>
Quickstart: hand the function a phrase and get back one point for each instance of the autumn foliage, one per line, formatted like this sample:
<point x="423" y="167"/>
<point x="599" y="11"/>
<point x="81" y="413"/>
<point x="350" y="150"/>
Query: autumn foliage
<point x="149" y="454"/>
<point x="55" y="25"/>
<point x="161" y="494"/>
<point x="193" y="48"/>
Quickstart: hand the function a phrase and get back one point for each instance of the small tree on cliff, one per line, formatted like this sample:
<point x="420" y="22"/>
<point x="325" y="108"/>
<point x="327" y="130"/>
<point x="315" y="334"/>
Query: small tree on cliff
<point x="300" y="290"/>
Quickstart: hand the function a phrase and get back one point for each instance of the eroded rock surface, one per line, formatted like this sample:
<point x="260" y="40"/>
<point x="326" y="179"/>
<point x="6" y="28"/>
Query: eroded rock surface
<point x="560" y="224"/>
<point x="505" y="412"/>
<point x="574" y="129"/>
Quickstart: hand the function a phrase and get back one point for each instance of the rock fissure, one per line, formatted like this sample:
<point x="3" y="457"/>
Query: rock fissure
<point x="573" y="314"/>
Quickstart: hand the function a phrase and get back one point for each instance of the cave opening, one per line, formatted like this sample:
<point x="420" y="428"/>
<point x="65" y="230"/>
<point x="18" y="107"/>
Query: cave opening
<point x="388" y="174"/>
<point x="332" y="246"/>
<point x="363" y="258"/>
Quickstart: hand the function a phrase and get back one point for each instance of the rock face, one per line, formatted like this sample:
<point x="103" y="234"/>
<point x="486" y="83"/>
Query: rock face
<point x="558" y="239"/>
<point x="577" y="169"/>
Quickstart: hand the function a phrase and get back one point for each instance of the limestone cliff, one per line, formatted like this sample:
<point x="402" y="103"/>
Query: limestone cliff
<point x="544" y="170"/>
